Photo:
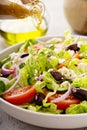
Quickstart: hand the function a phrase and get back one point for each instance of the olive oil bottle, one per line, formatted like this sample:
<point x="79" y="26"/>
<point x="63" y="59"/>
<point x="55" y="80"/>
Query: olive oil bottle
<point x="30" y="22"/>
<point x="14" y="31"/>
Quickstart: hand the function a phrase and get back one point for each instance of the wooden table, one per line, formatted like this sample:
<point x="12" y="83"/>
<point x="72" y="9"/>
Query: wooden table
<point x="57" y="26"/>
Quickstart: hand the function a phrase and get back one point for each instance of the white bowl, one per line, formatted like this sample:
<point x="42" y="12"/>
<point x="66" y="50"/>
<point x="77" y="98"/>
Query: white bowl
<point x="41" y="119"/>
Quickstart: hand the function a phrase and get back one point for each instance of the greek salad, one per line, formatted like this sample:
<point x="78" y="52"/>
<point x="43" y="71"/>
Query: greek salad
<point x="48" y="77"/>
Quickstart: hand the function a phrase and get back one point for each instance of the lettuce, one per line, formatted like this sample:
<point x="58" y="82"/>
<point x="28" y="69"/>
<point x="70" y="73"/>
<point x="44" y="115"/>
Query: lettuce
<point x="37" y="64"/>
<point x="31" y="69"/>
<point x="49" y="108"/>
<point x="46" y="59"/>
<point x="39" y="86"/>
<point x="27" y="73"/>
<point x="52" y="109"/>
<point x="65" y="54"/>
<point x="53" y="62"/>
<point x="50" y="81"/>
<point x="68" y="38"/>
<point x="42" y="63"/>
<point x="24" y="76"/>
<point x="2" y="87"/>
<point x="2" y="62"/>
<point x="77" y="108"/>
<point x="82" y="67"/>
<point x="45" y="107"/>
<point x="84" y="60"/>
<point x="26" y="44"/>
<point x="80" y="82"/>
<point x="83" y="47"/>
<point x="73" y="64"/>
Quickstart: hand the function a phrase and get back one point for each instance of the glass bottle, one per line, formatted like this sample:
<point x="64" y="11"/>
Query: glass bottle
<point x="21" y="22"/>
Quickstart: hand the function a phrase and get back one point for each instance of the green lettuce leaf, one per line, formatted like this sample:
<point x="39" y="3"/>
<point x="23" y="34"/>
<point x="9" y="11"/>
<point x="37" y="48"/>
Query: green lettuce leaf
<point x="2" y="87"/>
<point x="50" y="81"/>
<point x="24" y="76"/>
<point x="68" y="37"/>
<point x="26" y="44"/>
<point x="73" y="64"/>
<point x="27" y="73"/>
<point x="77" y="108"/>
<point x="83" y="47"/>
<point x="51" y="108"/>
<point x="39" y="86"/>
<point x="2" y="62"/>
<point x="65" y="54"/>
<point x="80" y="82"/>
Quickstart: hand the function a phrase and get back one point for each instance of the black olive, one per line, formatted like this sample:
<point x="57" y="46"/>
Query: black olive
<point x="4" y="75"/>
<point x="80" y="93"/>
<point x="57" y="75"/>
<point x="73" y="47"/>
<point x="38" y="98"/>
<point x="24" y="55"/>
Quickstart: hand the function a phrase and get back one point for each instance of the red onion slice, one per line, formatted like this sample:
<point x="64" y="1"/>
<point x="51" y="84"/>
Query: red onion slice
<point x="39" y="78"/>
<point x="5" y="71"/>
<point x="5" y="80"/>
<point x="17" y="78"/>
<point x="64" y="96"/>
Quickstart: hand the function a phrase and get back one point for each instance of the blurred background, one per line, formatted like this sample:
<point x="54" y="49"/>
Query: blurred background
<point x="57" y="20"/>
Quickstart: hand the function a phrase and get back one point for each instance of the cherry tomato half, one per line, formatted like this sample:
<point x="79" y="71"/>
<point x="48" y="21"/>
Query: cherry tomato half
<point x="20" y="95"/>
<point x="66" y="102"/>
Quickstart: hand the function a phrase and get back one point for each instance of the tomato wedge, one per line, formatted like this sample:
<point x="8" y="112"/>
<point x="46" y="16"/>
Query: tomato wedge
<point x="20" y="95"/>
<point x="65" y="103"/>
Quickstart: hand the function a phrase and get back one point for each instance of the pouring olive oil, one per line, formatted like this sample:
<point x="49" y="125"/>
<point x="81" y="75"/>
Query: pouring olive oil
<point x="14" y="10"/>
<point x="30" y="21"/>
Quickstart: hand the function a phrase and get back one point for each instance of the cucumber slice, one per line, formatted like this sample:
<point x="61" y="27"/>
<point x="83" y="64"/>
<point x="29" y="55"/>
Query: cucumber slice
<point x="62" y="89"/>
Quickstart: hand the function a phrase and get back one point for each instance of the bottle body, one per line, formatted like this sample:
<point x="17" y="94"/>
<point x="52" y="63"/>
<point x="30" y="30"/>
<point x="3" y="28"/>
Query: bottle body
<point x="15" y="31"/>
<point x="29" y="23"/>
